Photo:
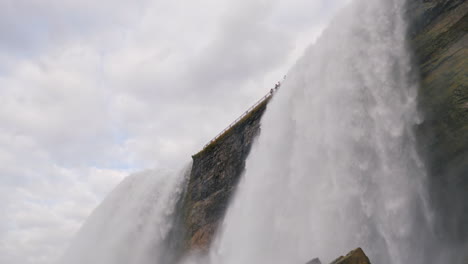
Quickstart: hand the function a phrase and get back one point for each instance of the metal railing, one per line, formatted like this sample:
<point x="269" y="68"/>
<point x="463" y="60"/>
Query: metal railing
<point x="263" y="99"/>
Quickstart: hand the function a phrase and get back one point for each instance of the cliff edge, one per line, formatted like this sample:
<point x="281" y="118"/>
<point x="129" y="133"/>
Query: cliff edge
<point x="215" y="173"/>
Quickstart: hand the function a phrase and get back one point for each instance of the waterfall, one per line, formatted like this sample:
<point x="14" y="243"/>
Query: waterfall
<point x="335" y="166"/>
<point x="134" y="222"/>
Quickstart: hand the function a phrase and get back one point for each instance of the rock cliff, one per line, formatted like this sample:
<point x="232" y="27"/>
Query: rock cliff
<point x="215" y="173"/>
<point x="439" y="40"/>
<point x="440" y="44"/>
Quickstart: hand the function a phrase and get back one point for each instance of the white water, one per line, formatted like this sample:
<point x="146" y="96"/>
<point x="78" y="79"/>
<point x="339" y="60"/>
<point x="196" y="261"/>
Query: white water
<point x="133" y="222"/>
<point x="335" y="166"/>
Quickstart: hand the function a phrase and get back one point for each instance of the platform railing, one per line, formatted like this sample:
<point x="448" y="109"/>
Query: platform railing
<point x="263" y="99"/>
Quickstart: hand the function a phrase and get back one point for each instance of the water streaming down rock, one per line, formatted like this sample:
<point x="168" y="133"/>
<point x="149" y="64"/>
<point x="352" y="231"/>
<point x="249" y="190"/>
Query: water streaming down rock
<point x="133" y="224"/>
<point x="335" y="166"/>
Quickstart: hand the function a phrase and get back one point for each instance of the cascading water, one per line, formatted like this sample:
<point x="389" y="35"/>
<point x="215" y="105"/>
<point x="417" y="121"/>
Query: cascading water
<point x="133" y="223"/>
<point x="335" y="166"/>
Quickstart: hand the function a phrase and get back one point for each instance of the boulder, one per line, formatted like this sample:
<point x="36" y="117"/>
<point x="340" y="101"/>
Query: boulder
<point x="356" y="256"/>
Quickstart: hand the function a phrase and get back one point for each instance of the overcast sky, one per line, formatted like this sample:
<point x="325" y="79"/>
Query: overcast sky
<point x="91" y="91"/>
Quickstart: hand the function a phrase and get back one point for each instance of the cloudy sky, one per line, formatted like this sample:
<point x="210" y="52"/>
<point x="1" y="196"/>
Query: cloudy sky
<point x="91" y="91"/>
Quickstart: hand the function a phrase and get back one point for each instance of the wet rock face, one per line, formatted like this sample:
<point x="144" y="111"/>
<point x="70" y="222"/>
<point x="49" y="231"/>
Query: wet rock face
<point x="440" y="41"/>
<point x="215" y="173"/>
<point x="356" y="256"/>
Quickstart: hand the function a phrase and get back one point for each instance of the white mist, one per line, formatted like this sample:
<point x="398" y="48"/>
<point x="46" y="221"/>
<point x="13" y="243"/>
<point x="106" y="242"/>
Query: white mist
<point x="133" y="222"/>
<point x="335" y="166"/>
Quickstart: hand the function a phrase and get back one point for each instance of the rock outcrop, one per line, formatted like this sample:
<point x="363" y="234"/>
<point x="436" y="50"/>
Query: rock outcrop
<point x="356" y="256"/>
<point x="215" y="173"/>
<point x="440" y="41"/>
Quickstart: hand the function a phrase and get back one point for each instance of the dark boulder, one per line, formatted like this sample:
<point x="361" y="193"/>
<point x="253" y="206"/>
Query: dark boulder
<point x="356" y="256"/>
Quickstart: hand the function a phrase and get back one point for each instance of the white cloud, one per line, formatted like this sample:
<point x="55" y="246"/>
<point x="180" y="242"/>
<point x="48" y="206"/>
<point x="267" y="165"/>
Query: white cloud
<point x="93" y="90"/>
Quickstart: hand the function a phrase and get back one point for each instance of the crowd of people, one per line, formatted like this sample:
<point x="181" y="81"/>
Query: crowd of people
<point x="277" y="85"/>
